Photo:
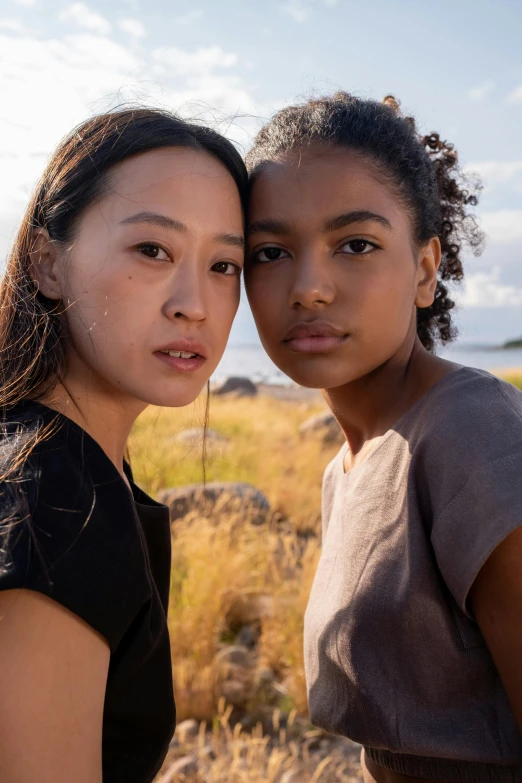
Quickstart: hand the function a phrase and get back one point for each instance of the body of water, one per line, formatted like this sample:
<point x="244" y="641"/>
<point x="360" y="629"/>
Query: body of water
<point x="251" y="361"/>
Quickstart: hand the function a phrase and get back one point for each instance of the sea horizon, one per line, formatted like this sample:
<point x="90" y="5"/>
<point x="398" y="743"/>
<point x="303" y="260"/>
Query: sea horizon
<point x="250" y="360"/>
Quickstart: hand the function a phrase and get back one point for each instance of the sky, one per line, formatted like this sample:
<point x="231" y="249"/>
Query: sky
<point x="456" y="66"/>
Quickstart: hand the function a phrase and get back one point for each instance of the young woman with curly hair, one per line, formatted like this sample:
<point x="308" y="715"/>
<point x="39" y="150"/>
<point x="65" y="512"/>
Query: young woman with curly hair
<point x="119" y="292"/>
<point x="413" y="639"/>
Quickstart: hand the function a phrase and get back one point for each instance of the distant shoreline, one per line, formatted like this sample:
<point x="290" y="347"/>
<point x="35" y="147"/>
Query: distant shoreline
<point x="509" y="345"/>
<point x="251" y="361"/>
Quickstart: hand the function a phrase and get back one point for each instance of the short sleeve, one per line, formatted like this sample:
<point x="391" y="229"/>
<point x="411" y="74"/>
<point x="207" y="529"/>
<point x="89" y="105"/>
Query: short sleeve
<point x="480" y="516"/>
<point x="74" y="540"/>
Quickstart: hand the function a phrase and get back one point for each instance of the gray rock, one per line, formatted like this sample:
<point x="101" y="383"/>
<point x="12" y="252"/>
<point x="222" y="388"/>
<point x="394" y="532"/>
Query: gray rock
<point x="241" y="387"/>
<point x="265" y="676"/>
<point x="187" y="729"/>
<point x="324" y="425"/>
<point x="234" y="692"/>
<point x="222" y="497"/>
<point x="246" y="637"/>
<point x="234" y="653"/>
<point x="194" y="437"/>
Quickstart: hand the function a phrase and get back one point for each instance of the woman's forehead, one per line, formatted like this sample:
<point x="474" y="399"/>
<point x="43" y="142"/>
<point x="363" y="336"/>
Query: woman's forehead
<point x="315" y="185"/>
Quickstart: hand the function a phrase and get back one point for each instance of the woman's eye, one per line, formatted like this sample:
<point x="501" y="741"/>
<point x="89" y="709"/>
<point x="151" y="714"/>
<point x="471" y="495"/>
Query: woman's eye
<point x="153" y="251"/>
<point x="226" y="268"/>
<point x="268" y="254"/>
<point x="358" y="247"/>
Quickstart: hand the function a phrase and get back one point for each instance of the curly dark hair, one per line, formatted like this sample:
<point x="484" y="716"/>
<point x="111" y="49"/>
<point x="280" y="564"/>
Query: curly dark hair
<point x="423" y="171"/>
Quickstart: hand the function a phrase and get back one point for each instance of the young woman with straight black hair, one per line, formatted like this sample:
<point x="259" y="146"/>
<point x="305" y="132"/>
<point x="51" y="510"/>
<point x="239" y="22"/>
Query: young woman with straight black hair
<point x="119" y="292"/>
<point x="413" y="632"/>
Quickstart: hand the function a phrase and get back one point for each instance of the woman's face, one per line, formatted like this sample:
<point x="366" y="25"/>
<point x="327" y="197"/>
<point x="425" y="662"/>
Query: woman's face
<point x="152" y="278"/>
<point x="332" y="275"/>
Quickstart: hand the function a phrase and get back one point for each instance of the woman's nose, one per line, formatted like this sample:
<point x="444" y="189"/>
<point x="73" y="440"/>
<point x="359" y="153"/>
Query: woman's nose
<point x="186" y="295"/>
<point x="312" y="285"/>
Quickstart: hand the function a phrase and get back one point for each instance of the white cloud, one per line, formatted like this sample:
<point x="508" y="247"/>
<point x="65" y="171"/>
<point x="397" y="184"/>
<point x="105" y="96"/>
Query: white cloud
<point x="189" y="18"/>
<point x="77" y="70"/>
<point x="481" y="90"/>
<point x="198" y="62"/>
<point x="484" y="289"/>
<point x="515" y="96"/>
<point x="503" y="226"/>
<point x="300" y="10"/>
<point x="496" y="172"/>
<point x="297" y="9"/>
<point x="84" y="73"/>
<point x="11" y="24"/>
<point x="133" y="27"/>
<point x="26" y="3"/>
<point x="82" y="16"/>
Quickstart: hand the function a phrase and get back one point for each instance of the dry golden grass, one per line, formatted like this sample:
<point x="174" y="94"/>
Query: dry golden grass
<point x="285" y="755"/>
<point x="513" y="376"/>
<point x="228" y="574"/>
<point x="264" y="449"/>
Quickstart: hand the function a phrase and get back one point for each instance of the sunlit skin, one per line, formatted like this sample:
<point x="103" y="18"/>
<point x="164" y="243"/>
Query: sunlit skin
<point x="154" y="264"/>
<point x="331" y="247"/>
<point x="345" y="261"/>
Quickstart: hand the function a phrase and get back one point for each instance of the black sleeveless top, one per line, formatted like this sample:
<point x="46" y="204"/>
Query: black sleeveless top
<point x="72" y="531"/>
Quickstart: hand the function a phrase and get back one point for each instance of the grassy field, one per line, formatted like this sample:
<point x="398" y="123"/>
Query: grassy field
<point x="239" y="591"/>
<point x="226" y="574"/>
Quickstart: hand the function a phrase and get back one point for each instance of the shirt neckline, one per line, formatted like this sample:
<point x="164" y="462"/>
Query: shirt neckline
<point x="81" y="432"/>
<point x="396" y="425"/>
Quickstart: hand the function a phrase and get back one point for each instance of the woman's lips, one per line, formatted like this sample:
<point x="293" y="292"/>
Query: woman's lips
<point x="315" y="337"/>
<point x="313" y="344"/>
<point x="183" y="354"/>
<point x="180" y="364"/>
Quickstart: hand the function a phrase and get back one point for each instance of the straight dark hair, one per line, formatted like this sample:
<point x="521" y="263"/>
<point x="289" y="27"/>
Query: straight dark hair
<point x="33" y="330"/>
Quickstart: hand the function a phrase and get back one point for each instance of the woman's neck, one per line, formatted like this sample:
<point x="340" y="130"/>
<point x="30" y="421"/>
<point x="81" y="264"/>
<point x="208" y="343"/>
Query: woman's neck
<point x="369" y="406"/>
<point x="106" y="414"/>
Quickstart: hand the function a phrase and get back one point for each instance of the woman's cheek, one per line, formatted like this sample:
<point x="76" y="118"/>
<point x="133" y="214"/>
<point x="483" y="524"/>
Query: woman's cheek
<point x="221" y="312"/>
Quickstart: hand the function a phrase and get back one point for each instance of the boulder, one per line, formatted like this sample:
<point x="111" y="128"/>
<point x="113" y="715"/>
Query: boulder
<point x="217" y="497"/>
<point x="265" y="676"/>
<point x="246" y="637"/>
<point x="325" y="426"/>
<point x="234" y="653"/>
<point x="236" y="386"/>
<point x="234" y="692"/>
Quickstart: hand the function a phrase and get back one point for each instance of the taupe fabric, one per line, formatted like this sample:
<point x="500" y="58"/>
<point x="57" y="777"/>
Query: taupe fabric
<point x="394" y="659"/>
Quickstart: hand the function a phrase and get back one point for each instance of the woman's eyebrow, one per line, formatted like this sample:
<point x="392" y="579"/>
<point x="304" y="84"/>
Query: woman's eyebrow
<point x="357" y="216"/>
<point x="163" y="221"/>
<point x="268" y="226"/>
<point x="236" y="240"/>
<point x="155" y="219"/>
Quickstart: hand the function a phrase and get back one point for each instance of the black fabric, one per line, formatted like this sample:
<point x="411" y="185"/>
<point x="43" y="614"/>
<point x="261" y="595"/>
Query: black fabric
<point x="72" y="531"/>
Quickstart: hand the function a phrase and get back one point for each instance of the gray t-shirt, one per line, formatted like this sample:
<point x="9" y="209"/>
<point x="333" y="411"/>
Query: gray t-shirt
<point x="394" y="659"/>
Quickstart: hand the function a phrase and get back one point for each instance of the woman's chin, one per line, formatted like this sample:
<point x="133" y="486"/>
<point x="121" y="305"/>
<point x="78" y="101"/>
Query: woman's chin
<point x="313" y="372"/>
<point x="163" y="394"/>
<point x="177" y="398"/>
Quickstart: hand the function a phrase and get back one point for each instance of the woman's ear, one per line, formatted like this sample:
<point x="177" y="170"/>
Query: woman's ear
<point x="427" y="268"/>
<point x="44" y="266"/>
